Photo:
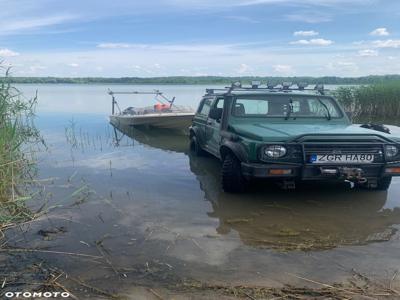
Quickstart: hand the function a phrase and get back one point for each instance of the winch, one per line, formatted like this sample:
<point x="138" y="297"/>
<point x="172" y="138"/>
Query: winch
<point x="347" y="173"/>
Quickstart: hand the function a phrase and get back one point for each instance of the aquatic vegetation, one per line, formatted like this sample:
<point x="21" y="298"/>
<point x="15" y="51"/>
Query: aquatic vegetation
<point x="373" y="103"/>
<point x="17" y="136"/>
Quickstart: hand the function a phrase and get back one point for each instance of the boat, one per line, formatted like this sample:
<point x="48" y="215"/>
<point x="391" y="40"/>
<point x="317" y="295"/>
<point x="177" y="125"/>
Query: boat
<point x="163" y="114"/>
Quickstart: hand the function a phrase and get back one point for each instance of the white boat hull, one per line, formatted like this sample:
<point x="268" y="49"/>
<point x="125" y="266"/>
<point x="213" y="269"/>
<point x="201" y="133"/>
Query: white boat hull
<point x="180" y="121"/>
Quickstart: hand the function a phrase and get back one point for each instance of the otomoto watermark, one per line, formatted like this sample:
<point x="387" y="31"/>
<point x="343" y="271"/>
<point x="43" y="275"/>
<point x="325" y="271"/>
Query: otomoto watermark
<point x="32" y="295"/>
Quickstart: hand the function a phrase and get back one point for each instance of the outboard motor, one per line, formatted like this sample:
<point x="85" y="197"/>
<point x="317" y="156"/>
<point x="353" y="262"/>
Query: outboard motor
<point x="377" y="127"/>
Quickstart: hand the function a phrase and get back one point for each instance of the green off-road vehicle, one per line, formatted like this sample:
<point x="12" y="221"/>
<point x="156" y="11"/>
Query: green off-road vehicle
<point x="289" y="135"/>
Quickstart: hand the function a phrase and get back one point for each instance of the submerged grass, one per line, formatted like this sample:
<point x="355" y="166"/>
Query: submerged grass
<point x="17" y="136"/>
<point x="372" y="103"/>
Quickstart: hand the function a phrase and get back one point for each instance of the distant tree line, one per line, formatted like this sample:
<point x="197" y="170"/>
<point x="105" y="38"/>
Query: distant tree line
<point x="372" y="79"/>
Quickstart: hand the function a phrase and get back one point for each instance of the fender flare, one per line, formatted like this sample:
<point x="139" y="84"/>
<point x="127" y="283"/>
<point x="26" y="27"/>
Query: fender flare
<point x="231" y="147"/>
<point x="195" y="131"/>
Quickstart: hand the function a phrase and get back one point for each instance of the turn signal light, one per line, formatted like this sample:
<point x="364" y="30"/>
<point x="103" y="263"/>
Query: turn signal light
<point x="393" y="170"/>
<point x="280" y="171"/>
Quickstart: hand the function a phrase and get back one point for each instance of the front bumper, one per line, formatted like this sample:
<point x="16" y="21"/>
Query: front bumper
<point x="314" y="171"/>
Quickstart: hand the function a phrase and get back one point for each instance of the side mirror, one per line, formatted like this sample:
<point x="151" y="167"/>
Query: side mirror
<point x="216" y="113"/>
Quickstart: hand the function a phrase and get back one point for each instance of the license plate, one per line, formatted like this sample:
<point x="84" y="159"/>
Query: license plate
<point x="341" y="158"/>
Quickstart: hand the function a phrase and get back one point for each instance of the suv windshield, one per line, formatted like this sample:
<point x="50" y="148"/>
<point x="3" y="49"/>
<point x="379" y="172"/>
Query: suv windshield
<point x="286" y="106"/>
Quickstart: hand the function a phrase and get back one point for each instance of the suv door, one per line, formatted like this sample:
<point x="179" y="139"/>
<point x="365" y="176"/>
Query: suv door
<point x="213" y="130"/>
<point x="200" y="119"/>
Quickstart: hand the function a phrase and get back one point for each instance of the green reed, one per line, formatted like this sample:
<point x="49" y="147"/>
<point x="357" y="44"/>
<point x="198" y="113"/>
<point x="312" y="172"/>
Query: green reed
<point x="17" y="137"/>
<point x="372" y="103"/>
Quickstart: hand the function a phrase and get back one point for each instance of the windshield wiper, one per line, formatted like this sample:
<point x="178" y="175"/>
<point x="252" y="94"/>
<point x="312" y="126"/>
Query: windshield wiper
<point x="328" y="116"/>
<point x="290" y="110"/>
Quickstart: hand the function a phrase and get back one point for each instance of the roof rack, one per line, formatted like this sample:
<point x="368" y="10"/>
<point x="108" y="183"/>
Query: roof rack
<point x="285" y="87"/>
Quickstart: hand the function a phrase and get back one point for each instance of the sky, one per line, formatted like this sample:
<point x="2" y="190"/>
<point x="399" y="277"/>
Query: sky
<point x="121" y="38"/>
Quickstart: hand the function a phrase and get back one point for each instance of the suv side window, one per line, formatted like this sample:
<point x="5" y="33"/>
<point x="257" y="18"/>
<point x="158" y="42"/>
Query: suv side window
<point x="220" y="103"/>
<point x="205" y="107"/>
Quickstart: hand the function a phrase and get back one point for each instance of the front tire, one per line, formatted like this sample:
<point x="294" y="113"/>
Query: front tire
<point x="232" y="178"/>
<point x="195" y="146"/>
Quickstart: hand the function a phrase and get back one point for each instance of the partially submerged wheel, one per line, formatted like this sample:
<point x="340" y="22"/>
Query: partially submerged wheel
<point x="232" y="178"/>
<point x="195" y="146"/>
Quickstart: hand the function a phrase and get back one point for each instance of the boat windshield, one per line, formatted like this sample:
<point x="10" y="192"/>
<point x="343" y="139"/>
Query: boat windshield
<point x="288" y="106"/>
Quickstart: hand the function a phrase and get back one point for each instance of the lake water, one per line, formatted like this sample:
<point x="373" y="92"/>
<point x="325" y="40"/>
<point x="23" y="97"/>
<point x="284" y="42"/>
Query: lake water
<point x="158" y="216"/>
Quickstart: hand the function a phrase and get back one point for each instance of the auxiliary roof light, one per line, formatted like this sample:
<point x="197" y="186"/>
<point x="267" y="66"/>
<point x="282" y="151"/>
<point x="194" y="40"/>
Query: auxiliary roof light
<point x="286" y="85"/>
<point x="255" y="84"/>
<point x="270" y="85"/>
<point x="302" y="85"/>
<point x="237" y="84"/>
<point x="319" y="87"/>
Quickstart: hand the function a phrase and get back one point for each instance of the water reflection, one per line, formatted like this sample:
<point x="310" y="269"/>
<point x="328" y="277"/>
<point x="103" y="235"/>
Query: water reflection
<point x="163" y="139"/>
<point x="312" y="217"/>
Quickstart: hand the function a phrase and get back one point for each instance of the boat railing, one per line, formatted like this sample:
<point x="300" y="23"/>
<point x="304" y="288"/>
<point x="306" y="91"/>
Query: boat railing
<point x="159" y="97"/>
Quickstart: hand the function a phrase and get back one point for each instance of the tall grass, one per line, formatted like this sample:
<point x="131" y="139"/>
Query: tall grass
<point x="372" y="103"/>
<point x="17" y="135"/>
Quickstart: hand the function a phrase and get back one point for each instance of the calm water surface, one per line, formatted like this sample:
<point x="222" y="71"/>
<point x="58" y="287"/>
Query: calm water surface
<point x="160" y="215"/>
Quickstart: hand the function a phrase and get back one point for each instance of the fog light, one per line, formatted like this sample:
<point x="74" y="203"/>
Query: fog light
<point x="280" y="171"/>
<point x="392" y="170"/>
<point x="275" y="151"/>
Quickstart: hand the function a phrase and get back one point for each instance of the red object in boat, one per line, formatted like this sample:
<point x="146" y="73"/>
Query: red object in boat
<point x="161" y="107"/>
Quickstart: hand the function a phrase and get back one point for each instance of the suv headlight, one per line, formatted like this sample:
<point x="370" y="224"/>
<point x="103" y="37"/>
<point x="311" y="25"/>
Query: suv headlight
<point x="275" y="151"/>
<point x="391" y="151"/>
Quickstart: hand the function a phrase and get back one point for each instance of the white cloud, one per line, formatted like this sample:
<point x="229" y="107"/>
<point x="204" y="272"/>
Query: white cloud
<point x="186" y="48"/>
<point x="152" y="60"/>
<point x="243" y="19"/>
<point x="380" y="32"/>
<point x="313" y="42"/>
<point x="202" y="4"/>
<point x="387" y="43"/>
<point x="346" y="67"/>
<point x="368" y="52"/>
<point x="73" y="65"/>
<point x="283" y="69"/>
<point x="310" y="17"/>
<point x="4" y="52"/>
<point x="305" y="33"/>
<point x="35" y="68"/>
<point x="10" y="26"/>
<point x="114" y="45"/>
<point x="243" y="68"/>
